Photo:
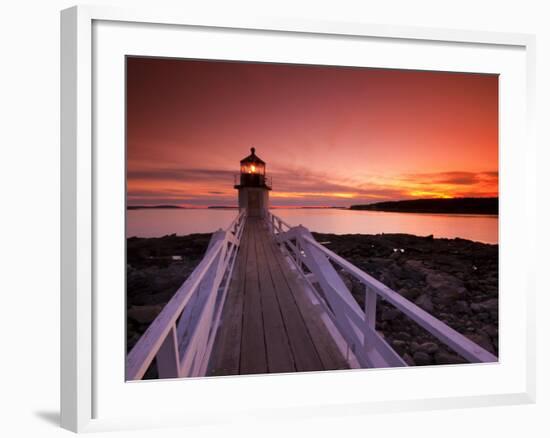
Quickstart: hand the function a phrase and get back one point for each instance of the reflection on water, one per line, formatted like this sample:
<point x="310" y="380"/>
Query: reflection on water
<point x="159" y="222"/>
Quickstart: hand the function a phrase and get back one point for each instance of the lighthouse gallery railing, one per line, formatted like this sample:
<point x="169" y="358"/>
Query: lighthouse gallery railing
<point x="182" y="335"/>
<point x="316" y="264"/>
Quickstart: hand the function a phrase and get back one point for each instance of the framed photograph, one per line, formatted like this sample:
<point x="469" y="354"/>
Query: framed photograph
<point x="262" y="217"/>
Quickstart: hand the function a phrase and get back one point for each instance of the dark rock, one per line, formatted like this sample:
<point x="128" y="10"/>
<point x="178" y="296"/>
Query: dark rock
<point x="450" y="295"/>
<point x="447" y="288"/>
<point x="399" y="346"/>
<point x="483" y="316"/>
<point x="144" y="314"/>
<point x="396" y="255"/>
<point x="444" y="358"/>
<point x="398" y="272"/>
<point x="389" y="314"/>
<point x="408" y="359"/>
<point x="441" y="281"/>
<point x="416" y="265"/>
<point x="491" y="330"/>
<point x="428" y="347"/>
<point x="482" y="340"/>
<point x="409" y="294"/>
<point x="476" y="308"/>
<point x="354" y="286"/>
<point x="482" y="332"/>
<point x="425" y="303"/>
<point x="403" y="336"/>
<point x="462" y="307"/>
<point x="421" y="358"/>
<point x="489" y="305"/>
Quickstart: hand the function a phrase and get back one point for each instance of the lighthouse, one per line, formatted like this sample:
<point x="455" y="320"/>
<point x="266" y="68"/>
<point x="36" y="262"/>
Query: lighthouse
<point x="253" y="186"/>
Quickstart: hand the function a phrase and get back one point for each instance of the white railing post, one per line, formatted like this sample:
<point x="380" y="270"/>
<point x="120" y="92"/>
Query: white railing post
<point x="190" y="315"/>
<point x="298" y="252"/>
<point x="168" y="358"/>
<point x="208" y="289"/>
<point x="370" y="307"/>
<point x="370" y="318"/>
<point x="298" y="249"/>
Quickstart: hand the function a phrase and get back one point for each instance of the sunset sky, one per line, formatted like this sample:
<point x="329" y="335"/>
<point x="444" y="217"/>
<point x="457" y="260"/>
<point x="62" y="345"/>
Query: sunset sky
<point x="330" y="136"/>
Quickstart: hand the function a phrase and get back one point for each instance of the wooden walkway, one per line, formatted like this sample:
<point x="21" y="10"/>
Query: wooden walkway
<point x="269" y="325"/>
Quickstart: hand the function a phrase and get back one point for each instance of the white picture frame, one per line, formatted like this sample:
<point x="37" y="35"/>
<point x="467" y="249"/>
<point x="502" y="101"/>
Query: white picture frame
<point x="83" y="383"/>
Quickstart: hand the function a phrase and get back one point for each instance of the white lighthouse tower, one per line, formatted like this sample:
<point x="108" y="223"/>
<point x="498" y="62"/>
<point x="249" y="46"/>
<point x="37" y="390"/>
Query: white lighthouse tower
<point x="253" y="186"/>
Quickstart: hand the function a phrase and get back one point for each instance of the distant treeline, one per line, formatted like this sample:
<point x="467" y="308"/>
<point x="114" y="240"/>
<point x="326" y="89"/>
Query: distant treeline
<point x="454" y="205"/>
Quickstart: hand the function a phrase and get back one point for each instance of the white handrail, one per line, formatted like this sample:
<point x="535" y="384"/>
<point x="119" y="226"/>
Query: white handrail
<point x="181" y="336"/>
<point x="307" y="251"/>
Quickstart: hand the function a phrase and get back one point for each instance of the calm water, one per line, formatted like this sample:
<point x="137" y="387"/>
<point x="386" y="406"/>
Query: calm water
<point x="159" y="222"/>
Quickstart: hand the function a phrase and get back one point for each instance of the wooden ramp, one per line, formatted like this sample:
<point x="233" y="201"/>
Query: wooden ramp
<point x="269" y="324"/>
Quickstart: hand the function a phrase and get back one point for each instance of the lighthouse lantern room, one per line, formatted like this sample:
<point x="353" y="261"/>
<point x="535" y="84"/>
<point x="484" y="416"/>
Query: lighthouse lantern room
<point x="253" y="186"/>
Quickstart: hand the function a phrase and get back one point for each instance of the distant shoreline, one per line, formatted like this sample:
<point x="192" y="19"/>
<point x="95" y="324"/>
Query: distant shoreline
<point x="151" y="207"/>
<point x="477" y="206"/>
<point x="465" y="206"/>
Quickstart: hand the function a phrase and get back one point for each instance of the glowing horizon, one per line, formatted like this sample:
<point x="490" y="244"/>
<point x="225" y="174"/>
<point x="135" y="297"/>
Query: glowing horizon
<point x="330" y="136"/>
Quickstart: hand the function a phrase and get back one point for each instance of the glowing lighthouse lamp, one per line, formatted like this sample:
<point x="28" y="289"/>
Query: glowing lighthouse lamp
<point x="253" y="186"/>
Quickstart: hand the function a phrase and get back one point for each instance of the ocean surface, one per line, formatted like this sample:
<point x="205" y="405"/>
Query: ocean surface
<point x="160" y="222"/>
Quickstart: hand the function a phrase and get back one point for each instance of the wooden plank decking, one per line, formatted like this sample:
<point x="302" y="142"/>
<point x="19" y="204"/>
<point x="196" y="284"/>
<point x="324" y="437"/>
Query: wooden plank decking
<point x="268" y="323"/>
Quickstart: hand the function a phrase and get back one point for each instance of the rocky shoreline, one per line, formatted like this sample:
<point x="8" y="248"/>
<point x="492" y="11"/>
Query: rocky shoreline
<point x="155" y="269"/>
<point x="483" y="206"/>
<point x="455" y="280"/>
